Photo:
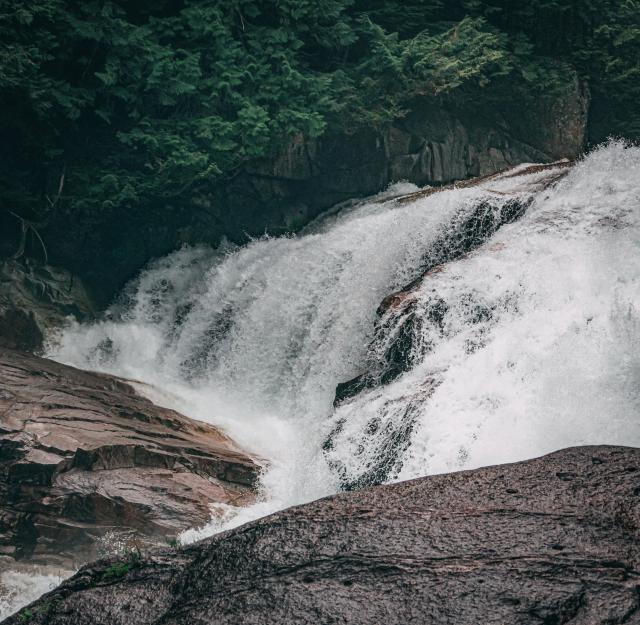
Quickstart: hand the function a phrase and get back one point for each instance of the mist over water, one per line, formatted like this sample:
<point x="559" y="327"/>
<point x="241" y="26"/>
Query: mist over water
<point x="536" y="345"/>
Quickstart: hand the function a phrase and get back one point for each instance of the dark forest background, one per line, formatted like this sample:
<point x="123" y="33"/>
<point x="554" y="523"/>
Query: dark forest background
<point x="116" y="105"/>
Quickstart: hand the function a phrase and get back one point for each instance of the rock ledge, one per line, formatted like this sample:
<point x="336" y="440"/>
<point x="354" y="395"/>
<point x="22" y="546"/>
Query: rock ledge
<point x="543" y="542"/>
<point x="83" y="456"/>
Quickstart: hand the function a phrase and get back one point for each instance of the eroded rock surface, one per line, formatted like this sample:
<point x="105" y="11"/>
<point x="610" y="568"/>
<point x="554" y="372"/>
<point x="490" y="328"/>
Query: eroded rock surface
<point x="547" y="541"/>
<point x="37" y="298"/>
<point x="83" y="456"/>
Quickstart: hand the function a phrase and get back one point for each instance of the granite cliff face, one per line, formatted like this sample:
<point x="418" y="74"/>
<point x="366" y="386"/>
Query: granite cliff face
<point x="430" y="146"/>
<point x="85" y="459"/>
<point x="552" y="540"/>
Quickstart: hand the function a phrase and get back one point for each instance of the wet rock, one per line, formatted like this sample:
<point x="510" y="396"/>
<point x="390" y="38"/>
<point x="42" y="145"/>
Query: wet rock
<point x="351" y="388"/>
<point x="508" y="544"/>
<point x="394" y="345"/>
<point x="84" y="457"/>
<point x="35" y="299"/>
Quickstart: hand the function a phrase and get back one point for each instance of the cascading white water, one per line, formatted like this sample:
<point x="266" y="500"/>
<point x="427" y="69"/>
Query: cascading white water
<point x="18" y="588"/>
<point x="536" y="345"/>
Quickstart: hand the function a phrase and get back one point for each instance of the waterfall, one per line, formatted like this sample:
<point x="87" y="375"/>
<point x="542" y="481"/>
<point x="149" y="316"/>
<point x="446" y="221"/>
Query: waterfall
<point x="20" y="587"/>
<point x="515" y="331"/>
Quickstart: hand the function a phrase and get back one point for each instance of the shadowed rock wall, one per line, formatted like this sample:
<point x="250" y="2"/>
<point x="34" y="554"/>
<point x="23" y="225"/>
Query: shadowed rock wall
<point x="434" y="144"/>
<point x="36" y="298"/>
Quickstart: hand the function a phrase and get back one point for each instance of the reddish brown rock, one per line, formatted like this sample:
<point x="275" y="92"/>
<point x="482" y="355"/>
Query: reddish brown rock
<point x="82" y="455"/>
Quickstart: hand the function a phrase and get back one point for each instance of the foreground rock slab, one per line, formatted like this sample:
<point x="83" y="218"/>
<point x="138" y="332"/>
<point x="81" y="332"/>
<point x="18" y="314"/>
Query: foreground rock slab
<point x="85" y="461"/>
<point x="547" y="541"/>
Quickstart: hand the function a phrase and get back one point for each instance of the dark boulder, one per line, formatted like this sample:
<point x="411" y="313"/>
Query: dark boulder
<point x="84" y="457"/>
<point x="546" y="541"/>
<point x="35" y="299"/>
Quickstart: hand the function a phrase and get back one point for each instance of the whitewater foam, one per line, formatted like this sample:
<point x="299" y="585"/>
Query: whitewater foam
<point x="19" y="588"/>
<point x="255" y="339"/>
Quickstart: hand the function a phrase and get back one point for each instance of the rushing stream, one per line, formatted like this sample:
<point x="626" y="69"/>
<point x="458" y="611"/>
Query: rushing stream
<point x="522" y="337"/>
<point x="525" y="338"/>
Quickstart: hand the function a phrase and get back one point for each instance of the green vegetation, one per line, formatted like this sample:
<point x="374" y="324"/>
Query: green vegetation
<point x="116" y="571"/>
<point x="27" y="614"/>
<point x="114" y="104"/>
<point x="120" y="569"/>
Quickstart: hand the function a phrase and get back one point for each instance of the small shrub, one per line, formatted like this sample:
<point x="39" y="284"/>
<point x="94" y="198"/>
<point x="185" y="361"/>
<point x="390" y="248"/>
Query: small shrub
<point x="120" y="569"/>
<point x="115" y="571"/>
<point x="25" y="615"/>
<point x="173" y="542"/>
